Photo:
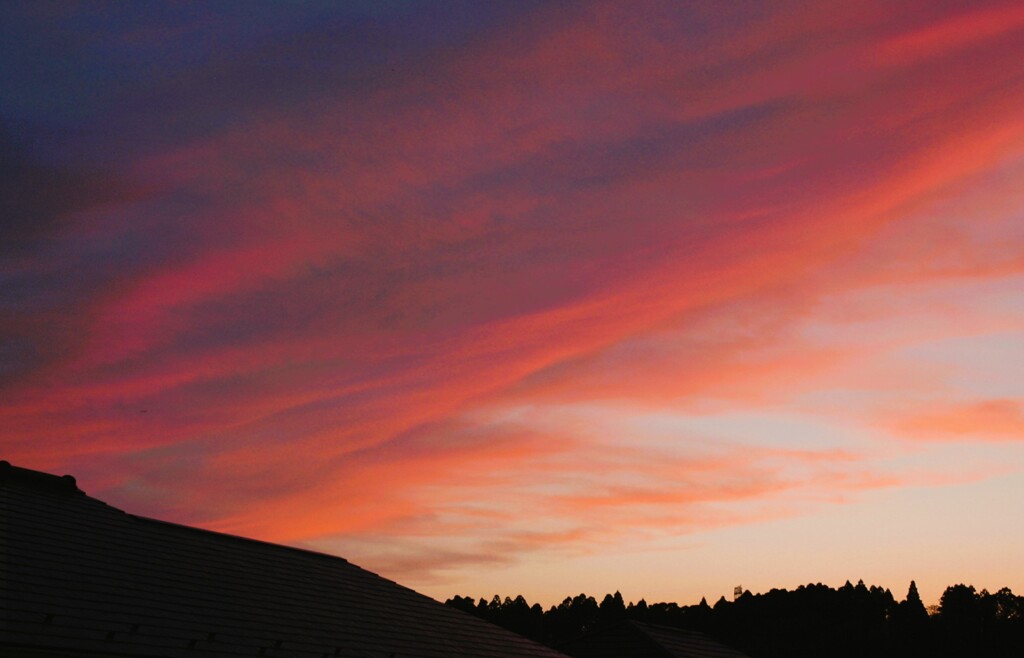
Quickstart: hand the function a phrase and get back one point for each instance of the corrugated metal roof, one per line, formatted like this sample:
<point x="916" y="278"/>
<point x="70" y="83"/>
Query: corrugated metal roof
<point x="631" y="639"/>
<point x="687" y="644"/>
<point x="79" y="575"/>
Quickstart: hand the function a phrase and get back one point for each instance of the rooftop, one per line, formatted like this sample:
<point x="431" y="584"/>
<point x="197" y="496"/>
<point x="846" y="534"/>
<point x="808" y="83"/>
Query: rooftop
<point x="83" y="578"/>
<point x="633" y="639"/>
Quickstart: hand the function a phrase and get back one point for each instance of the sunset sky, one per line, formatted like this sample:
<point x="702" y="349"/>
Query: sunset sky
<point x="537" y="298"/>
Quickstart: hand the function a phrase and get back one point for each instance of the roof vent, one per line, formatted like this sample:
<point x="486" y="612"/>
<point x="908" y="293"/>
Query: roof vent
<point x="10" y="474"/>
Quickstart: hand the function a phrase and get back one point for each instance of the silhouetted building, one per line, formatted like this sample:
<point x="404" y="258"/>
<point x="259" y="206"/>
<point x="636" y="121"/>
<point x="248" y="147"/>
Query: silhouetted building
<point x="81" y="579"/>
<point x="632" y="639"/>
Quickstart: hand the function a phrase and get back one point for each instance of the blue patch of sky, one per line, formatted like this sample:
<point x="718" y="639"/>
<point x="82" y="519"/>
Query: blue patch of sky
<point x="979" y="367"/>
<point x="66" y="70"/>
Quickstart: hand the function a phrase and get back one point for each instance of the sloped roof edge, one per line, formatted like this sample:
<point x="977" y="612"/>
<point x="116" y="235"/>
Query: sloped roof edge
<point x="86" y="577"/>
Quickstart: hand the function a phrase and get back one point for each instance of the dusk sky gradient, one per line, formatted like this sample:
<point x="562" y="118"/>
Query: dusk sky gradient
<point x="532" y="298"/>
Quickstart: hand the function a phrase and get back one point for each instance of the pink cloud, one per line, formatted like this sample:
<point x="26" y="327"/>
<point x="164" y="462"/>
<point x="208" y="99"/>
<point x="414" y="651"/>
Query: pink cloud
<point x="949" y="35"/>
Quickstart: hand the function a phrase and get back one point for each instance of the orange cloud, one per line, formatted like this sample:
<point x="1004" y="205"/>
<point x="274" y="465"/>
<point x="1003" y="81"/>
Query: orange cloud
<point x="989" y="419"/>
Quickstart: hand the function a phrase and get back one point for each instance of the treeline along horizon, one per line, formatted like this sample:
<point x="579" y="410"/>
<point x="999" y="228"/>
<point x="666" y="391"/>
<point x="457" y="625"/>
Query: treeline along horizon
<point x="812" y="620"/>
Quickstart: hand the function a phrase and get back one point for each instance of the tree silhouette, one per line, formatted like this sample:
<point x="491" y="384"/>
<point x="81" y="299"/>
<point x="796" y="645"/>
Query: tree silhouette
<point x="913" y="604"/>
<point x="959" y="605"/>
<point x="813" y="620"/>
<point x="612" y="609"/>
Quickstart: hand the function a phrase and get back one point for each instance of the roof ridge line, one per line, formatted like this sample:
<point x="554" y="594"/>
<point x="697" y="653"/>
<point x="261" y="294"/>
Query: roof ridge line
<point x="228" y="535"/>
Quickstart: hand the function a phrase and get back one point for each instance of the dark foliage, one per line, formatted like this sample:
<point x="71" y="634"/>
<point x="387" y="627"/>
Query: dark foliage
<point x="813" y="620"/>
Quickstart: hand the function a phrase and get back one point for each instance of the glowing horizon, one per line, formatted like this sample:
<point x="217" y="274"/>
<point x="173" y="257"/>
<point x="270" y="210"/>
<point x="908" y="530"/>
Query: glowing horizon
<point x="657" y="298"/>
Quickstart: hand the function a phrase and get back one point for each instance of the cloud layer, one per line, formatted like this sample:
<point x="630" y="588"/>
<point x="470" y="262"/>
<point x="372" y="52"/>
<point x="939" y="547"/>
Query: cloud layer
<point x="444" y="290"/>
